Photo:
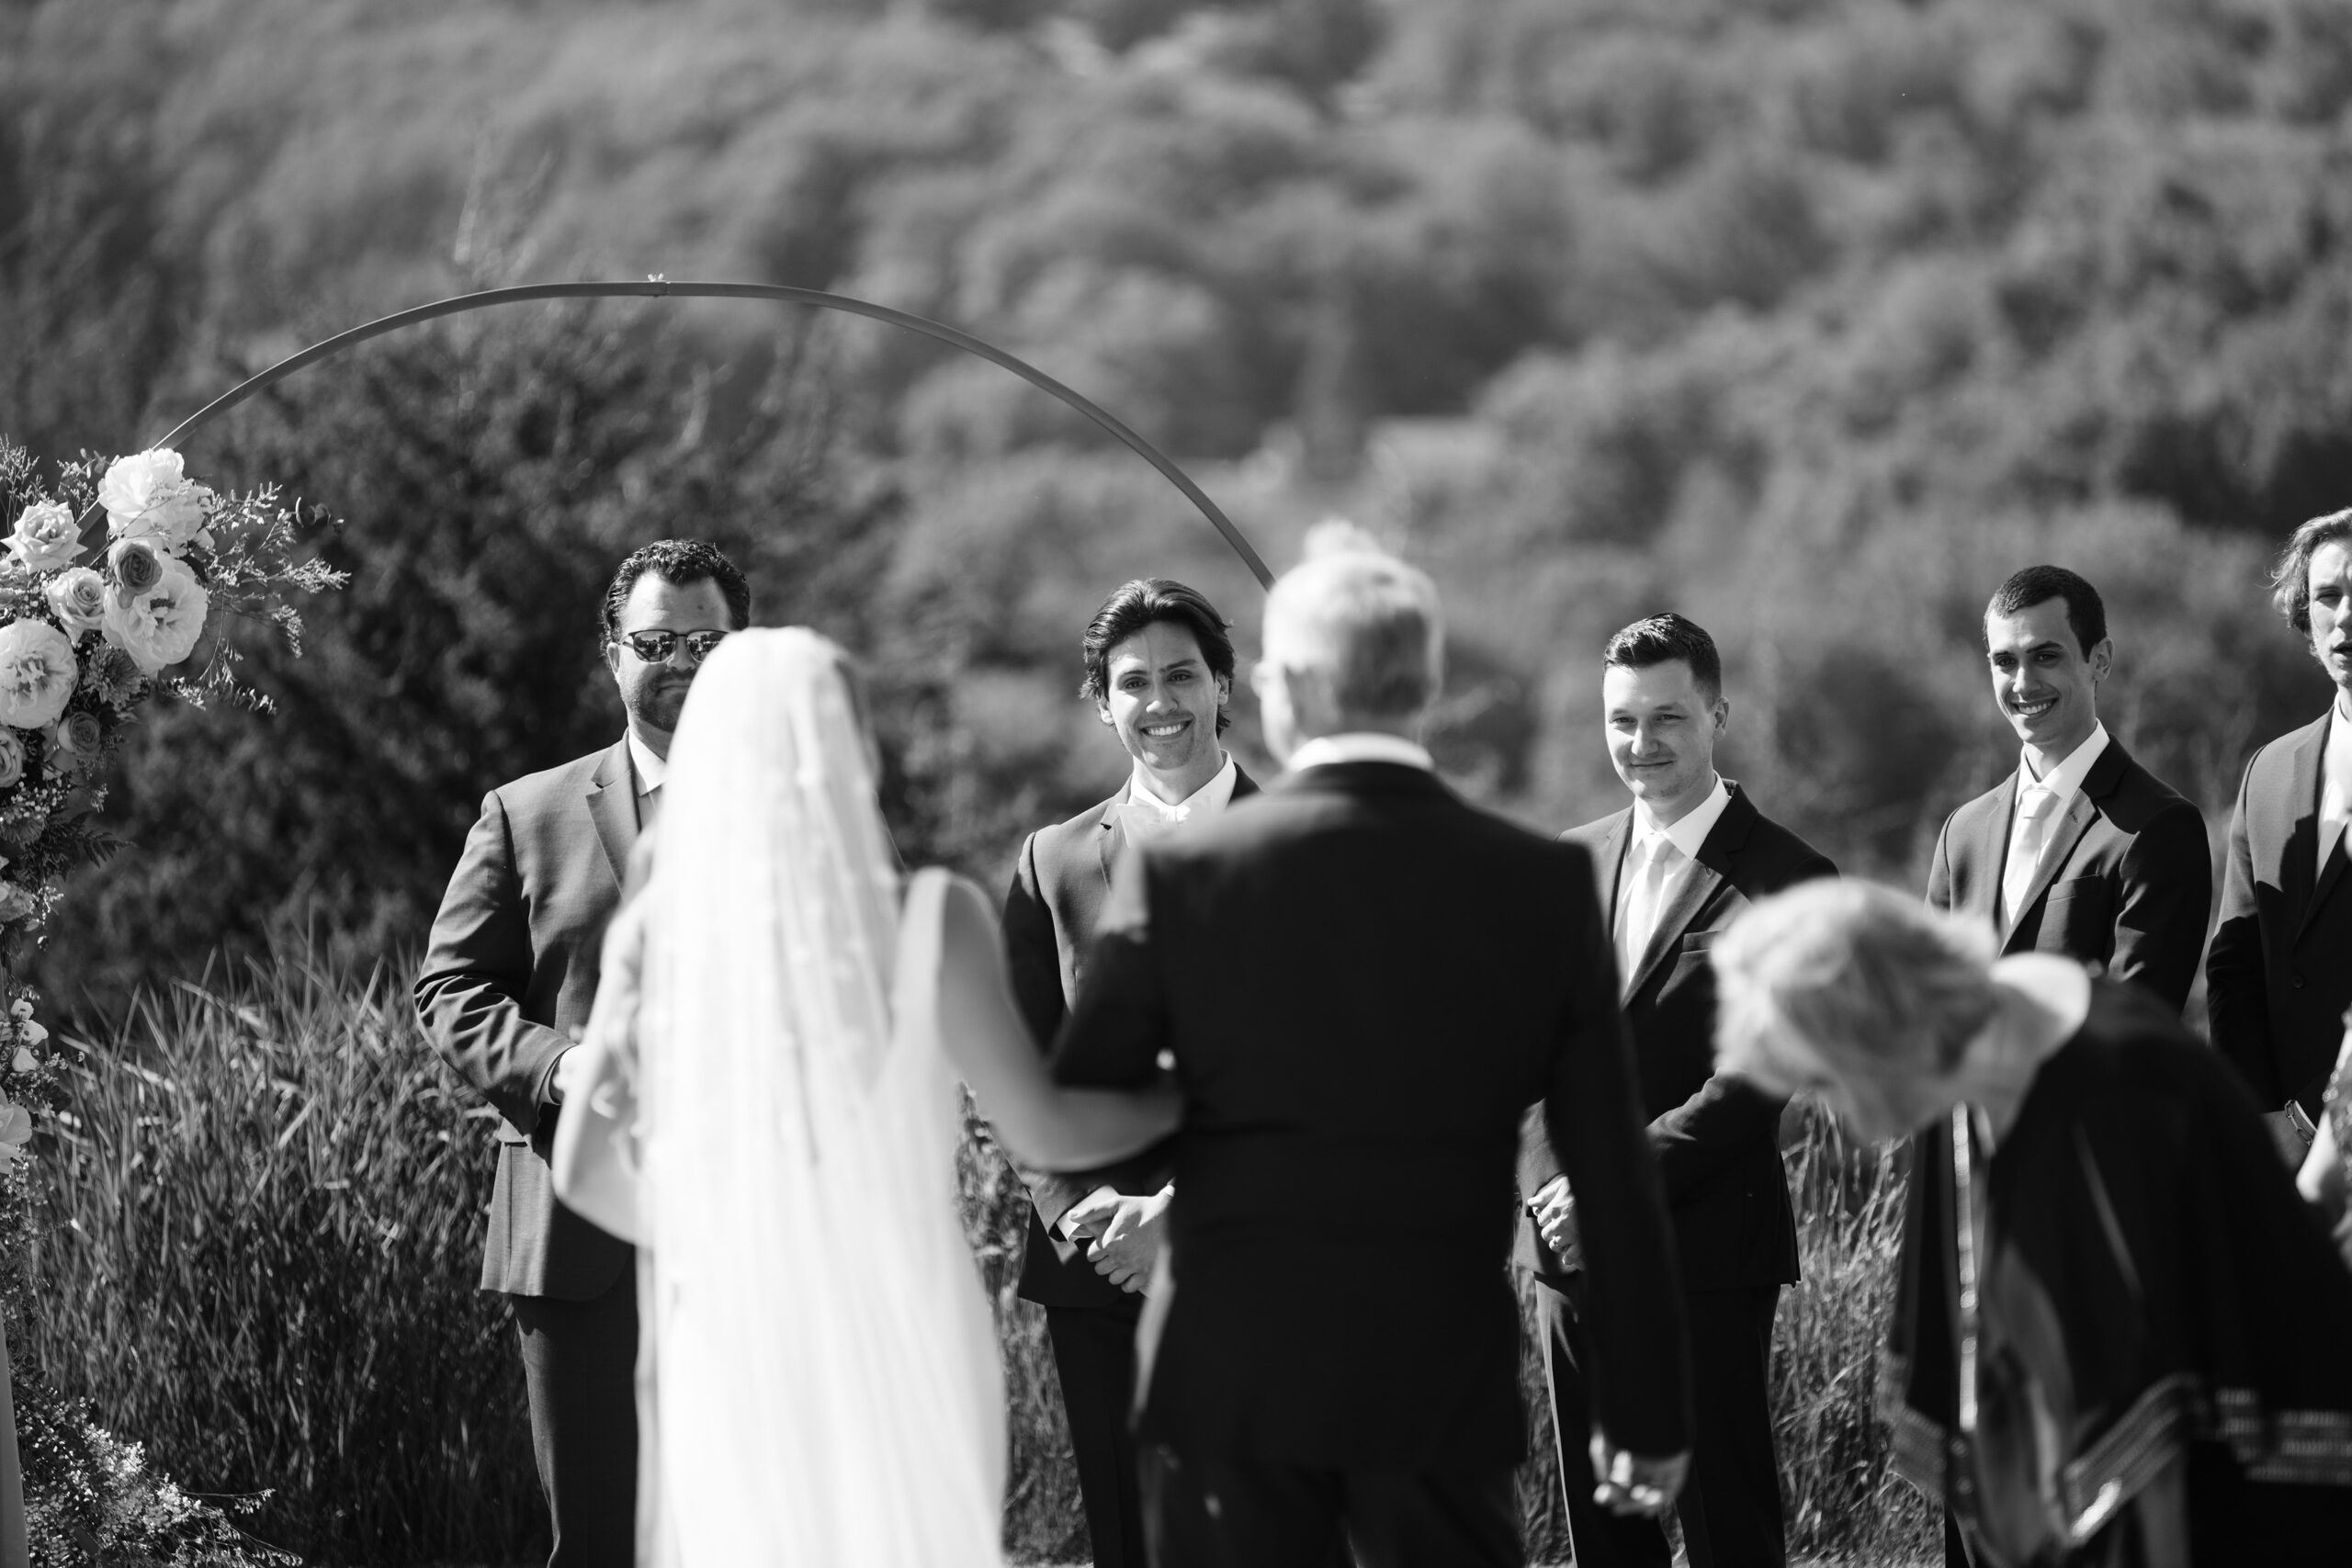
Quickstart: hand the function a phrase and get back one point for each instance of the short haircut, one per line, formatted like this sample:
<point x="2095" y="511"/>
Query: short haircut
<point x="1144" y="601"/>
<point x="1661" y="639"/>
<point x="1369" y="622"/>
<point x="2291" y="580"/>
<point x="2086" y="613"/>
<point x="1876" y="984"/>
<point x="677" y="561"/>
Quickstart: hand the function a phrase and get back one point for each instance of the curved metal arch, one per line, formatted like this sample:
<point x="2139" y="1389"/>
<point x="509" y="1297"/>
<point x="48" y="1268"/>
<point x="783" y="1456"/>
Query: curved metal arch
<point x="657" y="287"/>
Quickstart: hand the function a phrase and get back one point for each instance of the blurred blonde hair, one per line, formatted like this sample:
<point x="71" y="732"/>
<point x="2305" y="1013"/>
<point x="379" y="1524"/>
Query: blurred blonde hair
<point x="1878" y="987"/>
<point x="1369" y="622"/>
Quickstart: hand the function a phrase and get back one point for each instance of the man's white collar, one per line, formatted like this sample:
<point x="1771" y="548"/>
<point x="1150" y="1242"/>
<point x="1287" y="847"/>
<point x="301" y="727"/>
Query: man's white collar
<point x="1360" y="746"/>
<point x="653" y="771"/>
<point x="1206" y="801"/>
<point x="1690" y="830"/>
<point x="2063" y="780"/>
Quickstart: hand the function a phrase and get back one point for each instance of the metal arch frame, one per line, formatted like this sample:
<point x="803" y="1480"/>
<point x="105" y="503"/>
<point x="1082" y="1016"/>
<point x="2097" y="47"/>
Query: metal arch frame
<point x="659" y="288"/>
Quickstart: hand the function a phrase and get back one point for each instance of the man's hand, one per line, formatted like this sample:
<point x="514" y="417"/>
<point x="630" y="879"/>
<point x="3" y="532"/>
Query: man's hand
<point x="1629" y="1483"/>
<point x="1125" y="1251"/>
<point x="568" y="1066"/>
<point x="1086" y="1219"/>
<point x="1555" y="1220"/>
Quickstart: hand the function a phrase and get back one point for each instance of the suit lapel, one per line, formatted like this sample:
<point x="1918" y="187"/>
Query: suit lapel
<point x="2080" y="814"/>
<point x="1112" y="839"/>
<point x="1695" y="889"/>
<point x="2299" y="875"/>
<point x="1992" y="850"/>
<point x="612" y="806"/>
<point x="1609" y="866"/>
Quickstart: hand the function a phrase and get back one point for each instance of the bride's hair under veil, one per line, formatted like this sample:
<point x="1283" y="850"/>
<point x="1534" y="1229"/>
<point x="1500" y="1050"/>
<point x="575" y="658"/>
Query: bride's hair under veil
<point x="825" y="1386"/>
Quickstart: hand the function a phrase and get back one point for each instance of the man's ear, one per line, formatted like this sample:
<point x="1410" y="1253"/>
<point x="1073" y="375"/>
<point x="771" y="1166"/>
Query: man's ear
<point x="1723" y="715"/>
<point x="1102" y="711"/>
<point x="1223" y="690"/>
<point x="2103" y="659"/>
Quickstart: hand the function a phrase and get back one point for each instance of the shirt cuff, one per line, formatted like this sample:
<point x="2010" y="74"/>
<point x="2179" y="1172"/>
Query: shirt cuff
<point x="1061" y="1226"/>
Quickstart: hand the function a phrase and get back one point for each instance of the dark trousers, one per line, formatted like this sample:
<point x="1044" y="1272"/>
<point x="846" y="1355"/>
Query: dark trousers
<point x="1094" y="1355"/>
<point x="1730" y="1511"/>
<point x="580" y="1362"/>
<point x="1211" y="1513"/>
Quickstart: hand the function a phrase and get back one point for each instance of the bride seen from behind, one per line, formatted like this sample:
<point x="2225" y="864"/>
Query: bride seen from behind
<point x="770" y="1113"/>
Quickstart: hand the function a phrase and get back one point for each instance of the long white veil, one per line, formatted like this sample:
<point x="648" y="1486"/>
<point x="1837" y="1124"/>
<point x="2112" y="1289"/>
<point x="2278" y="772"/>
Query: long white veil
<point x="822" y="1384"/>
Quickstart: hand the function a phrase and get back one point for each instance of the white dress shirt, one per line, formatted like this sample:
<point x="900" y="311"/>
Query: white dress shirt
<point x="1145" y="815"/>
<point x="652" y="773"/>
<point x="2033" y="821"/>
<point x="2335" y="782"/>
<point x="1360" y="746"/>
<point x="1657" y="862"/>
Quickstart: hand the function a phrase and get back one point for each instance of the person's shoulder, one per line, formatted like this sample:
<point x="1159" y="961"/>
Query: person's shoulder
<point x="561" y="782"/>
<point x="1049" y="845"/>
<point x="1591" y="836"/>
<point x="1780" y="857"/>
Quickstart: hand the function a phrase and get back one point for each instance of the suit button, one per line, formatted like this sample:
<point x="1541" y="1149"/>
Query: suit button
<point x="2295" y="979"/>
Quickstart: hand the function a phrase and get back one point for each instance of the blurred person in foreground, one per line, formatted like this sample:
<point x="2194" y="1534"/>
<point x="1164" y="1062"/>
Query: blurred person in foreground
<point x="766" y="1108"/>
<point x="2119" y="1334"/>
<point x="2080" y="850"/>
<point x="509" y="977"/>
<point x="2327" y="1176"/>
<point x="1362" y="983"/>
<point x="1159" y="671"/>
<point x="1673" y="869"/>
<point x="2280" y="975"/>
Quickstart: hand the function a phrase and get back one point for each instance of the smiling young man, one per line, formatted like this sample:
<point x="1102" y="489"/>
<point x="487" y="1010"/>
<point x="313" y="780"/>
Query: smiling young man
<point x="2080" y="850"/>
<point x="2280" y="975"/>
<point x="1159" y="671"/>
<point x="1690" y="852"/>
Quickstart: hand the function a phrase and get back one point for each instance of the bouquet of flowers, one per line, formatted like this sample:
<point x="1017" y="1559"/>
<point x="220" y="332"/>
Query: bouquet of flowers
<point x="110" y="581"/>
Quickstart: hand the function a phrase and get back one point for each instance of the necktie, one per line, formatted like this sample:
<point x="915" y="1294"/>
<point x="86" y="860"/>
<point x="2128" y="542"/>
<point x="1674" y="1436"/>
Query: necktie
<point x="2026" y="840"/>
<point x="648" y="809"/>
<point x="1637" y="911"/>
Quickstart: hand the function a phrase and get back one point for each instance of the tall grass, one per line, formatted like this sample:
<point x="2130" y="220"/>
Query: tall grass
<point x="267" y="1211"/>
<point x="271" y="1201"/>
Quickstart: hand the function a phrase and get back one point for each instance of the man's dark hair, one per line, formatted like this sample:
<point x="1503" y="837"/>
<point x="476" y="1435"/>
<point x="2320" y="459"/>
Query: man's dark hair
<point x="2086" y="613"/>
<point x="1135" y="605"/>
<point x="678" y="561"/>
<point x="1660" y="639"/>
<point x="2291" y="580"/>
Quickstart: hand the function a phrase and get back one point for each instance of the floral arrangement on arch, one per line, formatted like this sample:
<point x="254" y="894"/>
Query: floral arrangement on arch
<point x="111" y="577"/>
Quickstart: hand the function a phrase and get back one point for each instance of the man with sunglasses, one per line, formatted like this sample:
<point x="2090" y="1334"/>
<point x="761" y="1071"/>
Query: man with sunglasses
<point x="507" y="983"/>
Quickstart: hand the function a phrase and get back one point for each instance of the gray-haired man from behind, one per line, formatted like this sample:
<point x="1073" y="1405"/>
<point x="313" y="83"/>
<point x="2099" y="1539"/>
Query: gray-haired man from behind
<point x="508" y="979"/>
<point x="1399" y="975"/>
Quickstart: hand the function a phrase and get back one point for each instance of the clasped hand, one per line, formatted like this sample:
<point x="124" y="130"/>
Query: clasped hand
<point x="1123" y="1234"/>
<point x="1629" y="1483"/>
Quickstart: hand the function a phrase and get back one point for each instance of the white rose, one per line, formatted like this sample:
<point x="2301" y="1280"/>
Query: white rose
<point x="15" y="1132"/>
<point x="78" y="596"/>
<point x="147" y="493"/>
<point x="37" y="674"/>
<point x="46" y="536"/>
<point x="156" y="627"/>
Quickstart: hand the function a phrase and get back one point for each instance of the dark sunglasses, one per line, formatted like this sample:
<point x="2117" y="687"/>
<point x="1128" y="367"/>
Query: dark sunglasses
<point x="655" y="648"/>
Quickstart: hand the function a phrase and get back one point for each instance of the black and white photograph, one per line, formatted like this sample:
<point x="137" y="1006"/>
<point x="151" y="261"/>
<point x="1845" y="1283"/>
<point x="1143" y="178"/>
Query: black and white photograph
<point x="1175" y="784"/>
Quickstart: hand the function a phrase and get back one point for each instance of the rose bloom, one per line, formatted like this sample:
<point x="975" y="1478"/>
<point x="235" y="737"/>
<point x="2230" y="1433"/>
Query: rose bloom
<point x="12" y="757"/>
<point x="16" y="902"/>
<point x="37" y="674"/>
<point x="137" y="565"/>
<point x="160" y="626"/>
<point x="46" y="536"/>
<point x="15" y="1132"/>
<point x="79" y="736"/>
<point x="147" y="493"/>
<point x="78" y="596"/>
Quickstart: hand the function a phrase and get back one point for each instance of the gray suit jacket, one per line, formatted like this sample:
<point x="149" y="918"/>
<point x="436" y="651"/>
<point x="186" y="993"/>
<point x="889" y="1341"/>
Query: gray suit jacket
<point x="508" y="979"/>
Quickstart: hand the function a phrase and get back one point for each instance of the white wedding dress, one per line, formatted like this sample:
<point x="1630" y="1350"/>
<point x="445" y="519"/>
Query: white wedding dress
<point x="768" y="1114"/>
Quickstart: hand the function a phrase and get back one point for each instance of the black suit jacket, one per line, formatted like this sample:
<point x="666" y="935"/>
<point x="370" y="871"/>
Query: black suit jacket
<point x="1363" y="982"/>
<point x="2280" y="975"/>
<point x="509" y="975"/>
<point x="2126" y="879"/>
<point x="1717" y="1139"/>
<point x="1058" y="892"/>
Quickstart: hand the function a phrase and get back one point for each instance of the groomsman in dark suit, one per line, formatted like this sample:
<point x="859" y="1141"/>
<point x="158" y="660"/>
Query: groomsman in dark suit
<point x="509" y="975"/>
<point x="2081" y="850"/>
<point x="1362" y="982"/>
<point x="2279" y="977"/>
<point x="1160" y="670"/>
<point x="1673" y="870"/>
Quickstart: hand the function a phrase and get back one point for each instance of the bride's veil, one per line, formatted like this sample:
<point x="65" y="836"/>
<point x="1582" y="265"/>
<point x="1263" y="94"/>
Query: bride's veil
<point x="824" y="1382"/>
